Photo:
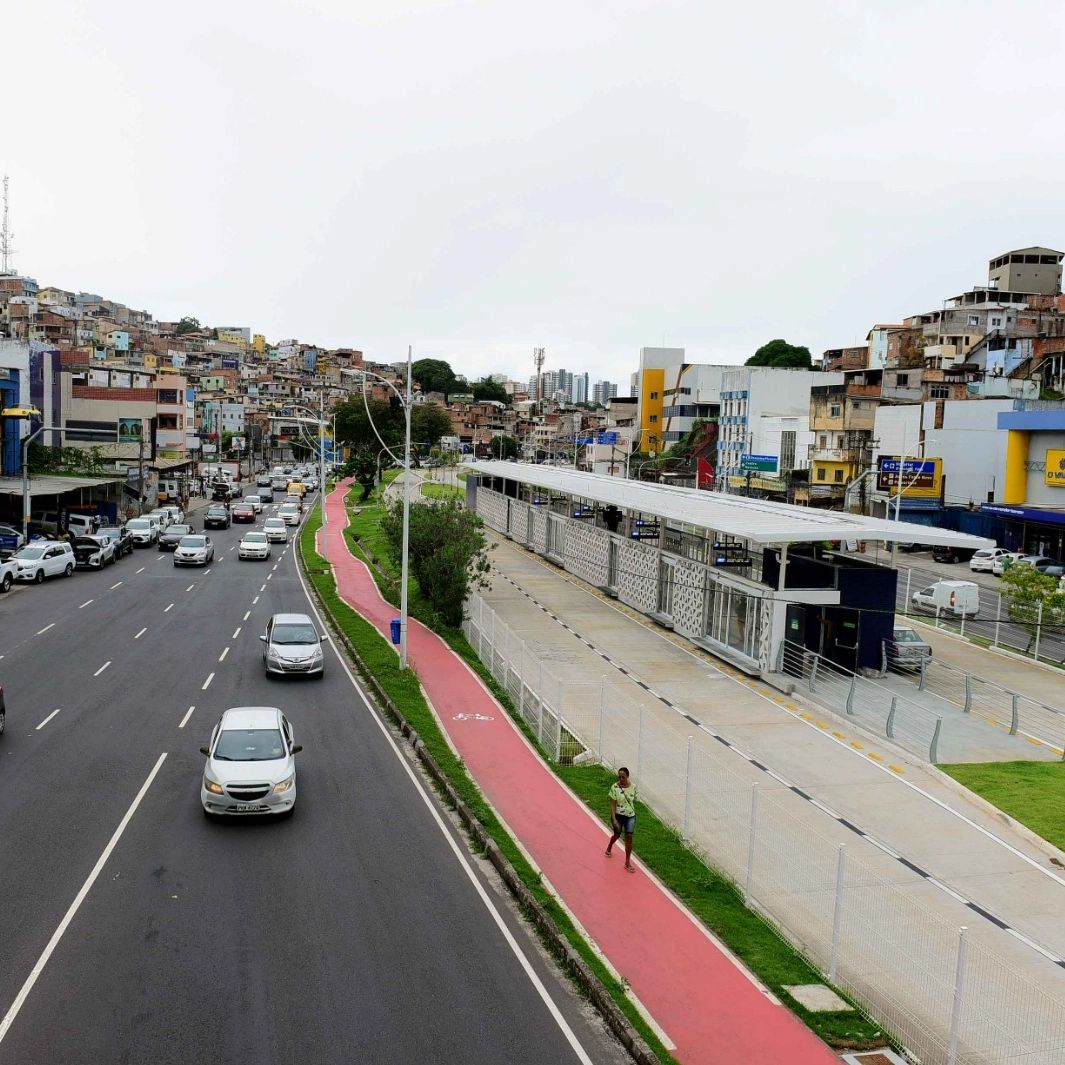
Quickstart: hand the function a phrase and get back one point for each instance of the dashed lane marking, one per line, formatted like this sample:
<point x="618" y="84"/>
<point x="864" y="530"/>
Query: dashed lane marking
<point x="46" y="720"/>
<point x="207" y="682"/>
<point x="188" y="714"/>
<point x="102" y="668"/>
<point x="141" y="633"/>
<point x="41" y="632"/>
<point x="85" y="604"/>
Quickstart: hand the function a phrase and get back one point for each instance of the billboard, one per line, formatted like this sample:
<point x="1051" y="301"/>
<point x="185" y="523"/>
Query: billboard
<point x="1054" y="474"/>
<point x="130" y="430"/>
<point x="236" y="443"/>
<point x="921" y="478"/>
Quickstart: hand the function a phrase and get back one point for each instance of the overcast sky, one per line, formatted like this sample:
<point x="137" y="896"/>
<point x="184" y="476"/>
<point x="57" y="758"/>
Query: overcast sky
<point x="480" y="178"/>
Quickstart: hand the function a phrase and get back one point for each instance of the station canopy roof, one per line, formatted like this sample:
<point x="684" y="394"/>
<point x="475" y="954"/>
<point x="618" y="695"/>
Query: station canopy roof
<point x="757" y="520"/>
<point x="53" y="486"/>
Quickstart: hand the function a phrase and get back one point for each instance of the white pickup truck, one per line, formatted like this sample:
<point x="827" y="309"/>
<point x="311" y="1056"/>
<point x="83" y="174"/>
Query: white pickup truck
<point x="8" y="571"/>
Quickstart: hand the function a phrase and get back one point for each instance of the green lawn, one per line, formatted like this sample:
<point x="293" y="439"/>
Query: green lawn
<point x="442" y="491"/>
<point x="709" y="895"/>
<point x="1030" y="792"/>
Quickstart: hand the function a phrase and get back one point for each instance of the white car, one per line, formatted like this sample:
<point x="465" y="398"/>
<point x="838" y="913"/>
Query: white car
<point x="254" y="502"/>
<point x="983" y="561"/>
<point x="254" y="545"/>
<point x="289" y="513"/>
<point x="1005" y="560"/>
<point x="163" y="516"/>
<point x="145" y="531"/>
<point x="43" y="559"/>
<point x="194" y="551"/>
<point x="292" y="645"/>
<point x="310" y="483"/>
<point x="251" y="768"/>
<point x="275" y="530"/>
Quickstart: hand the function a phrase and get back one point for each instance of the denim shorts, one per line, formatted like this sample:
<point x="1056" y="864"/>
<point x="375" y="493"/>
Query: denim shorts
<point x="626" y="823"/>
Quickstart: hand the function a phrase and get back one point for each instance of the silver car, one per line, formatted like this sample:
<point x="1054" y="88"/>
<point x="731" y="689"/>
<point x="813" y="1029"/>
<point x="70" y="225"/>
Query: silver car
<point x="253" y="545"/>
<point x="251" y="768"/>
<point x="292" y="645"/>
<point x="275" y="531"/>
<point x="193" y="551"/>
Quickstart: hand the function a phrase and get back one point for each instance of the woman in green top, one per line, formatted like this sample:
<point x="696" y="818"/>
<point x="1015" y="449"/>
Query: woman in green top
<point x="623" y="814"/>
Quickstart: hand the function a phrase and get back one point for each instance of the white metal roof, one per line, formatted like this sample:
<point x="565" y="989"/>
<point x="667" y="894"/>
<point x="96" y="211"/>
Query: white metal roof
<point x="52" y="486"/>
<point x="757" y="520"/>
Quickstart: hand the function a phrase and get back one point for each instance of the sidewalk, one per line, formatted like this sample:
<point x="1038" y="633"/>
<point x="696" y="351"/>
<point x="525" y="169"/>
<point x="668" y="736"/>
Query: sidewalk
<point x="700" y="997"/>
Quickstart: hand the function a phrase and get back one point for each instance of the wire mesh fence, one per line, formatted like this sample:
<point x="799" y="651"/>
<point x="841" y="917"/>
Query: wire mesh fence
<point x="951" y="997"/>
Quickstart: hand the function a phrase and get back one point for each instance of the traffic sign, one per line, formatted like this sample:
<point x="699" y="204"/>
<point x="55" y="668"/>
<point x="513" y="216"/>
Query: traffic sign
<point x="758" y="463"/>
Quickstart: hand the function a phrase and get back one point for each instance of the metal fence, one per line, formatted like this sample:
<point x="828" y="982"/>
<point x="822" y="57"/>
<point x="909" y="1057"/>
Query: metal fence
<point x="946" y="993"/>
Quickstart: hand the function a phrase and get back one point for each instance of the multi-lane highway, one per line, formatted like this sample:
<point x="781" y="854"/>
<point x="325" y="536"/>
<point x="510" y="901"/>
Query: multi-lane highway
<point x="134" y="930"/>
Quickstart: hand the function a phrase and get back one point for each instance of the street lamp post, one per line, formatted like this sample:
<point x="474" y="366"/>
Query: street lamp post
<point x="899" y="489"/>
<point x="628" y="448"/>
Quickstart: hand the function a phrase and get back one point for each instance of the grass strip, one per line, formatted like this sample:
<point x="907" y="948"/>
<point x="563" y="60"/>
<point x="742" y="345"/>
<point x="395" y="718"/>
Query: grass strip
<point x="710" y="896"/>
<point x="1032" y="793"/>
<point x="403" y="689"/>
<point x="441" y="491"/>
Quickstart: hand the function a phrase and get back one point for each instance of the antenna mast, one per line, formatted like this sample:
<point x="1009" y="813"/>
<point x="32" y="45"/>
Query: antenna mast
<point x="6" y="248"/>
<point x="538" y="359"/>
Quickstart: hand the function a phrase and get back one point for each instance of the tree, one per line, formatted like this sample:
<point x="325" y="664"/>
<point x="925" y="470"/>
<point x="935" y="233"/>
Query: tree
<point x="434" y="375"/>
<point x="353" y="426"/>
<point x="503" y="447"/>
<point x="781" y="354"/>
<point x="362" y="465"/>
<point x="486" y="388"/>
<point x="1033" y="600"/>
<point x="448" y="552"/>
<point x="187" y="325"/>
<point x="429" y="422"/>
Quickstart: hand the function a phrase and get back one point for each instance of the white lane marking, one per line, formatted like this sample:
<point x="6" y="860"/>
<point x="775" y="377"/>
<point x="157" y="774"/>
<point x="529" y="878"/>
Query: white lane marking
<point x="169" y="608"/>
<point x="118" y="584"/>
<point x="141" y="570"/>
<point x="185" y="719"/>
<point x="245" y="618"/>
<point x="160" y="558"/>
<point x="269" y="577"/>
<point x="102" y="668"/>
<point x="46" y="720"/>
<point x="222" y="656"/>
<point x="256" y="599"/>
<point x="530" y="972"/>
<point x="190" y="587"/>
<point x="57" y="935"/>
<point x="141" y="633"/>
<point x="236" y="633"/>
<point x="206" y="571"/>
<point x="85" y="604"/>
<point x="207" y="682"/>
<point x="231" y="549"/>
<point x="41" y="632"/>
<point x="275" y="565"/>
<point x="263" y="588"/>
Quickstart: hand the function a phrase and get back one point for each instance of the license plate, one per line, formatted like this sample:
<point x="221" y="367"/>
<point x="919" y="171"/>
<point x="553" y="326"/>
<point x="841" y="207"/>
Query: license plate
<point x="248" y="807"/>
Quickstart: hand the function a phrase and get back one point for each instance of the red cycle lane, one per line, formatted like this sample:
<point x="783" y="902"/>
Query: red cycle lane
<point x="700" y="997"/>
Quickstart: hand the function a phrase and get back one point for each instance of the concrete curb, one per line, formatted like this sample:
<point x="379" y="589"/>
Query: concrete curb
<point x="574" y="964"/>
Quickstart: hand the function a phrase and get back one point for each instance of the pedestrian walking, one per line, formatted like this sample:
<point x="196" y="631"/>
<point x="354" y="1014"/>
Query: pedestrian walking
<point x="623" y="814"/>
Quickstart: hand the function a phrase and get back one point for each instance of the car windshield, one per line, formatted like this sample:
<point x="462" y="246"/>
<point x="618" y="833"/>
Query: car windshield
<point x="907" y="636"/>
<point x="273" y="523"/>
<point x="29" y="552"/>
<point x="255" y="538"/>
<point x="294" y="634"/>
<point x="192" y="541"/>
<point x="138" y="523"/>
<point x="179" y="530"/>
<point x="249" y="745"/>
<point x="217" y="510"/>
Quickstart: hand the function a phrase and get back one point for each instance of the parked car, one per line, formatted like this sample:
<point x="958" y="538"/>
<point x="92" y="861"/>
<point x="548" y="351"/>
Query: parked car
<point x="11" y="539"/>
<point x="952" y="554"/>
<point x="145" y="531"/>
<point x="217" y="518"/>
<point x="242" y="512"/>
<point x="172" y="536"/>
<point x="906" y="650"/>
<point x="275" y="530"/>
<point x="251" y="769"/>
<point x="94" y="552"/>
<point x="254" y="545"/>
<point x="292" y="645"/>
<point x="47" y="559"/>
<point x="289" y="513"/>
<point x="8" y="573"/>
<point x="177" y="515"/>
<point x="255" y="502"/>
<point x="163" y="516"/>
<point x="236" y="490"/>
<point x="983" y="561"/>
<point x="1015" y="558"/>
<point x="1043" y="564"/>
<point x="122" y="537"/>
<point x="949" y="598"/>
<point x="194" y="551"/>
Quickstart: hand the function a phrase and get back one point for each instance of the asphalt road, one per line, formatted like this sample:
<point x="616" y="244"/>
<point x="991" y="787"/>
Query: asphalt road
<point x="358" y="930"/>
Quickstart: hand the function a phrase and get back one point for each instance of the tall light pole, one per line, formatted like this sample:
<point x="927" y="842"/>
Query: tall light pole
<point x="898" y="495"/>
<point x="406" y="402"/>
<point x="628" y="448"/>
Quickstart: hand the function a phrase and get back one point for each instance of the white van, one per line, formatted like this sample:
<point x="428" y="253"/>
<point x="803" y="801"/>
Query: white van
<point x="950" y="598"/>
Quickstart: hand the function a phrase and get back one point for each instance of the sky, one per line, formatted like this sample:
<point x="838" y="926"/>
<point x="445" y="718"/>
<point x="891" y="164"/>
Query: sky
<point x="477" y="179"/>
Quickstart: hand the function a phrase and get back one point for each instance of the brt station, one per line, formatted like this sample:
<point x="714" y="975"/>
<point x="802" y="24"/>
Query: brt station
<point x="734" y="575"/>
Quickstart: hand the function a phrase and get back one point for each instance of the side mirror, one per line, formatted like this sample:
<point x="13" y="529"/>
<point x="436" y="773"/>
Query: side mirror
<point x="262" y="639"/>
<point x="323" y="638"/>
<point x="297" y="748"/>
<point x="206" y="751"/>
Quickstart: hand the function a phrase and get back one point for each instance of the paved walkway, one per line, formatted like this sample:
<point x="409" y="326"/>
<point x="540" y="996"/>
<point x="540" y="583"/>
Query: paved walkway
<point x="700" y="997"/>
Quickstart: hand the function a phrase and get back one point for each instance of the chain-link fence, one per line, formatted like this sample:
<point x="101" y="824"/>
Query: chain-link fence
<point x="948" y="994"/>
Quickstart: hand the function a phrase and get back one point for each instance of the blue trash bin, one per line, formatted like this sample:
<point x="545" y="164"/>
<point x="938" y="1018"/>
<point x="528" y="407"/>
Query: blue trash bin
<point x="394" y="625"/>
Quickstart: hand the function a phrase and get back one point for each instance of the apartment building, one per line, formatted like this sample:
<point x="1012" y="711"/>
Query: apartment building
<point x="842" y="419"/>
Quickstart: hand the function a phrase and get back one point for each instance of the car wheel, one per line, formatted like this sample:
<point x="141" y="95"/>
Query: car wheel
<point x="6" y="583"/>
<point x="68" y="571"/>
<point x="38" y="577"/>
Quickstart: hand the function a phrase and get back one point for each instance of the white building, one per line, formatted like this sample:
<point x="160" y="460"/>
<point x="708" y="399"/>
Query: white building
<point x="765" y="411"/>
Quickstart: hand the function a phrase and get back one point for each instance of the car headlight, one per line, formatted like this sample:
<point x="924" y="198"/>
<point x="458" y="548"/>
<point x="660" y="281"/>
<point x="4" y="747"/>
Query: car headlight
<point x="274" y="654"/>
<point x="212" y="786"/>
<point x="285" y="784"/>
<point x="316" y="653"/>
